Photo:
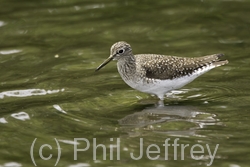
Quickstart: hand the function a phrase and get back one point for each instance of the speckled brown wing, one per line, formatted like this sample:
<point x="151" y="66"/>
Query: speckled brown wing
<point x="170" y="67"/>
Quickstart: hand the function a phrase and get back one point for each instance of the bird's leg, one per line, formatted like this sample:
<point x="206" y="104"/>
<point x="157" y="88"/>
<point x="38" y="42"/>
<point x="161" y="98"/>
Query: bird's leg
<point x="160" y="103"/>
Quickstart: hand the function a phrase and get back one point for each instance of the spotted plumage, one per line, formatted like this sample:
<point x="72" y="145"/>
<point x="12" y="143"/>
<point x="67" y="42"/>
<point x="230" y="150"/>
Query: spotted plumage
<point x="159" y="74"/>
<point x="171" y="67"/>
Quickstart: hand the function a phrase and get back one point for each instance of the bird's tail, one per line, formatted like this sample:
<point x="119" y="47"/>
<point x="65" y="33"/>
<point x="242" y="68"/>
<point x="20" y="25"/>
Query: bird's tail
<point x="217" y="61"/>
<point x="214" y="59"/>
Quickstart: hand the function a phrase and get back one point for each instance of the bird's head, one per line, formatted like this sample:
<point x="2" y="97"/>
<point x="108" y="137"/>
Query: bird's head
<point x="117" y="51"/>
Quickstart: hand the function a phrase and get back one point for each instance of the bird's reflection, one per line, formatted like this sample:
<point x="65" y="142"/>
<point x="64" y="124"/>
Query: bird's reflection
<point x="155" y="117"/>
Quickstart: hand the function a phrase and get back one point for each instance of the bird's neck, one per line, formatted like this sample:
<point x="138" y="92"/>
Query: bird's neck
<point x="127" y="66"/>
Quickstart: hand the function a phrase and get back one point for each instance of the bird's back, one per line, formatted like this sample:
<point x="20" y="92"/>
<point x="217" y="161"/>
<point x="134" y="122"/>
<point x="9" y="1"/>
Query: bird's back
<point x="171" y="67"/>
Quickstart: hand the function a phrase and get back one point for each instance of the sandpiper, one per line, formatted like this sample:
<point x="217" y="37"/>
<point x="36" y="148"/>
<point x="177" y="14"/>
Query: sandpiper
<point x="158" y="74"/>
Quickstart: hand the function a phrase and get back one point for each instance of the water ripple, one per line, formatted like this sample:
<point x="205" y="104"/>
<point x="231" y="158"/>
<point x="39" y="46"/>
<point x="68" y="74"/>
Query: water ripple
<point x="28" y="92"/>
<point x="21" y="116"/>
<point x="7" y="52"/>
<point x="79" y="165"/>
<point x="2" y="23"/>
<point x="218" y="92"/>
<point x="11" y="164"/>
<point x="58" y="108"/>
<point x="3" y="120"/>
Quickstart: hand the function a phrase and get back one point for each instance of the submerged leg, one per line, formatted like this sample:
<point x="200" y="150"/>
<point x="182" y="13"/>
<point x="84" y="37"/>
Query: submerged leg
<point x="160" y="103"/>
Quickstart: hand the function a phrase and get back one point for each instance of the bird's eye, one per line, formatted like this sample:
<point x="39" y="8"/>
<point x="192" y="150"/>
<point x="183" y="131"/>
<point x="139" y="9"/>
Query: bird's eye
<point x="121" y="51"/>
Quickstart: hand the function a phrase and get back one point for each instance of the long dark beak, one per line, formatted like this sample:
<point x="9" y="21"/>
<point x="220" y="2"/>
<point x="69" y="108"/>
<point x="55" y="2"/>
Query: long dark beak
<point x="105" y="62"/>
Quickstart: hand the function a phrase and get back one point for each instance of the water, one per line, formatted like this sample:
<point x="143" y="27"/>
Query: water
<point x="50" y="93"/>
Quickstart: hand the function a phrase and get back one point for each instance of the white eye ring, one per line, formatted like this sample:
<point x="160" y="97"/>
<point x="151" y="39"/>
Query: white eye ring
<point x="120" y="51"/>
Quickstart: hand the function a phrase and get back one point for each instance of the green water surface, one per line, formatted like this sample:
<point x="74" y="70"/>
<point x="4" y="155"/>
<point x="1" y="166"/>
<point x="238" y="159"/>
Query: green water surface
<point x="50" y="94"/>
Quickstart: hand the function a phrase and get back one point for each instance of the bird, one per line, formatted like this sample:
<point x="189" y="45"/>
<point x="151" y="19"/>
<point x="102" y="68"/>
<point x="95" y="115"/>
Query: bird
<point x="158" y="74"/>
